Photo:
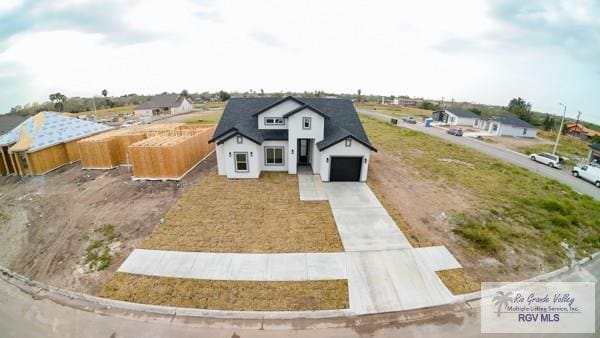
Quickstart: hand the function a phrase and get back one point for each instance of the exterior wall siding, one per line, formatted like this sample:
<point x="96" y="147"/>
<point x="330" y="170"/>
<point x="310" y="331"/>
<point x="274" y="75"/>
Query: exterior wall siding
<point x="315" y="133"/>
<point x="264" y="166"/>
<point x="230" y="147"/>
<point x="509" y="130"/>
<point x="277" y="111"/>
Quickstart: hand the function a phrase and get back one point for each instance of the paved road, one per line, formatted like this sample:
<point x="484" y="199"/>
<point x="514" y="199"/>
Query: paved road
<point x="23" y="316"/>
<point x="563" y="176"/>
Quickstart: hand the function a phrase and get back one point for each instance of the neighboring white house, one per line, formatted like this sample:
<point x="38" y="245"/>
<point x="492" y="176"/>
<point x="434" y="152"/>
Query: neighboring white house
<point x="506" y="125"/>
<point x="323" y="135"/>
<point x="163" y="104"/>
<point x="455" y="117"/>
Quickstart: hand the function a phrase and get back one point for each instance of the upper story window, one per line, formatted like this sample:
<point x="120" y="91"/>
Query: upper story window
<point x="274" y="121"/>
<point x="348" y="142"/>
<point x="239" y="139"/>
<point x="306" y="123"/>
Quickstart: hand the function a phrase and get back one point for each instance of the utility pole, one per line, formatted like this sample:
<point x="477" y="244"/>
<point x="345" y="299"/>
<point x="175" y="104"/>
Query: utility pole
<point x="577" y="123"/>
<point x="561" y="127"/>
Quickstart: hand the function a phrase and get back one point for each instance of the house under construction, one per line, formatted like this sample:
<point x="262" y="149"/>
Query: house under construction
<point x="44" y="142"/>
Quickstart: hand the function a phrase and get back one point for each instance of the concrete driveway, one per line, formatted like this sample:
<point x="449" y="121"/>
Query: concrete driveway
<point x="363" y="223"/>
<point x="563" y="176"/>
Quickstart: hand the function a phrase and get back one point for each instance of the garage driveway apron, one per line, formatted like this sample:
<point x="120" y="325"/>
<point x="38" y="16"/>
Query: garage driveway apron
<point x="384" y="272"/>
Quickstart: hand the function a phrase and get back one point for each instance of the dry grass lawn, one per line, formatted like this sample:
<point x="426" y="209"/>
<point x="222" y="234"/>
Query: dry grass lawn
<point x="247" y="216"/>
<point x="229" y="295"/>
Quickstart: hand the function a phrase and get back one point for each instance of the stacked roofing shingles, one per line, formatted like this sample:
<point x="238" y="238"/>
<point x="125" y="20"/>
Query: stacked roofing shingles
<point x="47" y="129"/>
<point x="341" y="120"/>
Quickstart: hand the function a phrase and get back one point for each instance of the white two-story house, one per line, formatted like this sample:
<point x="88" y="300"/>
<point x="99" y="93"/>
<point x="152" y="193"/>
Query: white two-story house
<point x="321" y="135"/>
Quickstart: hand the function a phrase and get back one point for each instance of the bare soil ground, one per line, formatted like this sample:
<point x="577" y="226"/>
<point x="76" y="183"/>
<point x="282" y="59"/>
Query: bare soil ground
<point x="58" y="222"/>
<point x="263" y="215"/>
<point x="229" y="295"/>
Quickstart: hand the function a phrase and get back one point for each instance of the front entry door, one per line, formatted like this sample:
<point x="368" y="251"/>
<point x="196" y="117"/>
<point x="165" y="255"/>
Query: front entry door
<point x="303" y="151"/>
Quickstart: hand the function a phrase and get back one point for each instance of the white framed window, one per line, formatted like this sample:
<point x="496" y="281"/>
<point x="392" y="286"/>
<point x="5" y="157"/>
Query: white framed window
<point x="306" y="122"/>
<point x="274" y="156"/>
<point x="241" y="162"/>
<point x="348" y="142"/>
<point x="274" y="121"/>
<point x="239" y="139"/>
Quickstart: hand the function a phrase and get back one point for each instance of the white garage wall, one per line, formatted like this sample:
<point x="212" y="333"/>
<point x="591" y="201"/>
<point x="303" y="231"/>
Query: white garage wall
<point x="340" y="149"/>
<point x="254" y="165"/>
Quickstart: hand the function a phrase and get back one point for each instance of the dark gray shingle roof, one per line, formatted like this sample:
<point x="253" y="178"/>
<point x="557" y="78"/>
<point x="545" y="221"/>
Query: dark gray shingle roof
<point x="462" y="113"/>
<point x="162" y="101"/>
<point x="9" y="121"/>
<point x="240" y="117"/>
<point x="511" y="120"/>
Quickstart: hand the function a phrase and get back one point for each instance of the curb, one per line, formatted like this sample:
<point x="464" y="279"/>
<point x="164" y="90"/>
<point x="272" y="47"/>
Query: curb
<point x="476" y="296"/>
<point x="223" y="319"/>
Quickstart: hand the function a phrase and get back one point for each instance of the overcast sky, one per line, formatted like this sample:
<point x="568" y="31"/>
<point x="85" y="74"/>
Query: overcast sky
<point x="480" y="51"/>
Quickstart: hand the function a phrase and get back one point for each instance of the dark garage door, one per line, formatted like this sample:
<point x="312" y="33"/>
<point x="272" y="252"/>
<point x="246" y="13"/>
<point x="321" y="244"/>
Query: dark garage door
<point x="345" y="168"/>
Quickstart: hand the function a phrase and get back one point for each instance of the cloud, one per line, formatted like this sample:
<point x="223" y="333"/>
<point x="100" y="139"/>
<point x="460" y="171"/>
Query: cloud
<point x="568" y="27"/>
<point x="267" y="39"/>
<point x="107" y="18"/>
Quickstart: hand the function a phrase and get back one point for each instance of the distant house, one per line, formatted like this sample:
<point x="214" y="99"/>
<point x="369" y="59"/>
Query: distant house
<point x="581" y="131"/>
<point x="164" y="104"/>
<point x="506" y="125"/>
<point x="9" y="121"/>
<point x="455" y="117"/>
<point x="594" y="154"/>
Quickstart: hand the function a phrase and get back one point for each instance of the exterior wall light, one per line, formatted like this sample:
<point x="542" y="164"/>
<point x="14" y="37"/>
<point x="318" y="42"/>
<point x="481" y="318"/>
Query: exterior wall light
<point x="230" y="154"/>
<point x="365" y="160"/>
<point x="250" y="154"/>
<point x="292" y="151"/>
<point x="327" y="160"/>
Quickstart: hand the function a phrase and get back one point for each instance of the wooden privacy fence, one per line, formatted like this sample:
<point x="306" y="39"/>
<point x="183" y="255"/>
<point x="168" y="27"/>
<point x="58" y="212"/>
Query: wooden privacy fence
<point x="170" y="157"/>
<point x="165" y="151"/>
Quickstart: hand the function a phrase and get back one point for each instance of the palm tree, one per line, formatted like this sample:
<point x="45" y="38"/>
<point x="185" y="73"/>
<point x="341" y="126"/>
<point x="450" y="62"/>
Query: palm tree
<point x="501" y="299"/>
<point x="59" y="101"/>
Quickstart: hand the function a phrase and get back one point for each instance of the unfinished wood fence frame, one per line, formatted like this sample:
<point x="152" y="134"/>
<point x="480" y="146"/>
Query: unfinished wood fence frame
<point x="171" y="156"/>
<point x="154" y="152"/>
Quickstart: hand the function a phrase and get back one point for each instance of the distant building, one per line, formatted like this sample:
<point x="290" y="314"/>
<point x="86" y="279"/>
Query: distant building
<point x="164" y="104"/>
<point x="506" y="125"/>
<point x="578" y="130"/>
<point x="455" y="117"/>
<point x="9" y="121"/>
<point x="399" y="101"/>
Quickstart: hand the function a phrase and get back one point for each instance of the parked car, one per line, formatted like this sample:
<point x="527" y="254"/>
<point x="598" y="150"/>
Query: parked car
<point x="588" y="173"/>
<point x="455" y="132"/>
<point x="409" y="119"/>
<point x="129" y="123"/>
<point x="553" y="161"/>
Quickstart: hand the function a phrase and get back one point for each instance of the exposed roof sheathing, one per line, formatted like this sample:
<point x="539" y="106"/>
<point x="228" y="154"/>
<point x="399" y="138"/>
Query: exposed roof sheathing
<point x="47" y="129"/>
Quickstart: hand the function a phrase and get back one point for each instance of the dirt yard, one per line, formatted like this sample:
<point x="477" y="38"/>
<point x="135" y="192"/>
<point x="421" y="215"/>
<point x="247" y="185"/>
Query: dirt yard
<point x="61" y="227"/>
<point x="230" y="295"/>
<point x="263" y="215"/>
